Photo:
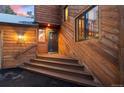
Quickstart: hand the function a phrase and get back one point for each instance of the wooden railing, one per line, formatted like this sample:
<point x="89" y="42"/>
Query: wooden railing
<point x="25" y="51"/>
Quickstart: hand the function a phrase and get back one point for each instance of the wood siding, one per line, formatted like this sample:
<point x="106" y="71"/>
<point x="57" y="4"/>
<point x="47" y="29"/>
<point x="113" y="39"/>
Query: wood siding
<point x="47" y="14"/>
<point x="42" y="47"/>
<point x="104" y="57"/>
<point x="100" y="56"/>
<point x="50" y="14"/>
<point x="122" y="44"/>
<point x="10" y="43"/>
<point x="110" y="23"/>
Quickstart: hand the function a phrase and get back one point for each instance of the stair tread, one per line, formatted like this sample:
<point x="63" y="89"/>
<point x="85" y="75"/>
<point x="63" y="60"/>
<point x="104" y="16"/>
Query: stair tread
<point x="57" y="57"/>
<point x="58" y="68"/>
<point x="57" y="62"/>
<point x="75" y="79"/>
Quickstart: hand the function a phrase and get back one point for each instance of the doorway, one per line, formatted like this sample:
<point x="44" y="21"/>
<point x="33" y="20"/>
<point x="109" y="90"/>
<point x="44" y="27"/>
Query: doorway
<point x="52" y="41"/>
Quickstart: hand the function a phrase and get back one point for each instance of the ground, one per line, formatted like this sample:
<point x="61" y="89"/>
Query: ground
<point x="18" y="77"/>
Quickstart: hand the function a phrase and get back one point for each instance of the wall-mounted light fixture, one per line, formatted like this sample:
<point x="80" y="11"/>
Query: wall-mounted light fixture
<point x="48" y="25"/>
<point x="21" y="38"/>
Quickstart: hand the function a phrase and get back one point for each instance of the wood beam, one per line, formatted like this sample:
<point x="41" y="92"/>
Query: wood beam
<point x="122" y="45"/>
<point x="1" y="48"/>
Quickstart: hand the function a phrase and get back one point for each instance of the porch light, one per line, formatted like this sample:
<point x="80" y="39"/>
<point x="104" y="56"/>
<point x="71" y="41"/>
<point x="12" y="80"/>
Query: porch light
<point x="48" y="25"/>
<point x="20" y="38"/>
<point x="97" y="35"/>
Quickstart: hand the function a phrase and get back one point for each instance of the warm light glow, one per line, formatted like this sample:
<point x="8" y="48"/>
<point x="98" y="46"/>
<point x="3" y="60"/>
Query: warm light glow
<point x="66" y="13"/>
<point x="48" y="25"/>
<point x="97" y="35"/>
<point x="20" y="38"/>
<point x="90" y="33"/>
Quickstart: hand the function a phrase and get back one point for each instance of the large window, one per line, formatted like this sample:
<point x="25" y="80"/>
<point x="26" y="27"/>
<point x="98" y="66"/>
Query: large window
<point x="20" y="14"/>
<point x="86" y="24"/>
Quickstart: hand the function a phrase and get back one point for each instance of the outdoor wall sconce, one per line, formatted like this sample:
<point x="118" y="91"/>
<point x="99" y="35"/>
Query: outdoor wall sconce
<point x="48" y="25"/>
<point x="21" y="38"/>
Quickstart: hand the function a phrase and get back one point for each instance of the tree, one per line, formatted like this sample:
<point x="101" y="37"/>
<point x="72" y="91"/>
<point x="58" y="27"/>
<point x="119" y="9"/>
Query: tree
<point x="8" y="10"/>
<point x="30" y="14"/>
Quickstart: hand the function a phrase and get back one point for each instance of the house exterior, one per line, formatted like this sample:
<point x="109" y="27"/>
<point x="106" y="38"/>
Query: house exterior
<point x="62" y="30"/>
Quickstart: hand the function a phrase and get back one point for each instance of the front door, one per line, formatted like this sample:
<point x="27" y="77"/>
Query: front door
<point x="53" y="41"/>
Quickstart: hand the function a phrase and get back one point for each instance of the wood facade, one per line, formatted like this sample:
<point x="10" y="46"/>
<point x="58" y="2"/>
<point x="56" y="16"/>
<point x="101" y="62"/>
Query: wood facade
<point x="103" y="57"/>
<point x="48" y="14"/>
<point x="10" y="45"/>
<point x="43" y="46"/>
<point x="122" y="45"/>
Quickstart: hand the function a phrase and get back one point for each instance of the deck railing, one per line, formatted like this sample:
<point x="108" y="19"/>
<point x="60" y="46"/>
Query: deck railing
<point x="25" y="55"/>
<point x="25" y="50"/>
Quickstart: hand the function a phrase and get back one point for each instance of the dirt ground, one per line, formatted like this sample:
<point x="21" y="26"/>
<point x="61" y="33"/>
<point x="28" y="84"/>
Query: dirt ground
<point x="18" y="77"/>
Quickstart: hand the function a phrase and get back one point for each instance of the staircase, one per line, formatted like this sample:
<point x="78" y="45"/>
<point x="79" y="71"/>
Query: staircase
<point x="62" y="68"/>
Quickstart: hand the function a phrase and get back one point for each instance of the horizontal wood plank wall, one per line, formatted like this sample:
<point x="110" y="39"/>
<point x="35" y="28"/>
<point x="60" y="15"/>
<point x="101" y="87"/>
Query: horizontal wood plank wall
<point x="91" y="52"/>
<point x="48" y="14"/>
<point x="110" y="23"/>
<point x="74" y="10"/>
<point x="43" y="46"/>
<point x="10" y="45"/>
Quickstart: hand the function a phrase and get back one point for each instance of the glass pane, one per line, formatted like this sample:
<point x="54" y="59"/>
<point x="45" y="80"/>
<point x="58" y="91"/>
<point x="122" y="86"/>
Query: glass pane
<point x="81" y="29"/>
<point x="77" y="28"/>
<point x="87" y="25"/>
<point x="66" y="13"/>
<point x="93" y="22"/>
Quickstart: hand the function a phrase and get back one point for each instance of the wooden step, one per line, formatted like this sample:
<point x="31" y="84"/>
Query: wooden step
<point x="73" y="72"/>
<point x="58" y="64"/>
<point x="63" y="76"/>
<point x="58" y="58"/>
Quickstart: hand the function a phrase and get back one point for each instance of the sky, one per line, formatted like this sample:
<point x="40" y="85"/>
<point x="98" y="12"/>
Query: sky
<point x="22" y="9"/>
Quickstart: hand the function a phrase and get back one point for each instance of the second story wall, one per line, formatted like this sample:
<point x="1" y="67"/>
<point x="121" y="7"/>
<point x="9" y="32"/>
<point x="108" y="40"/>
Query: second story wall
<point x="48" y="14"/>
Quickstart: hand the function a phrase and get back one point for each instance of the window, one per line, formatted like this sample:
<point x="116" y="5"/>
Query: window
<point x="86" y="24"/>
<point x="41" y="35"/>
<point x="66" y="13"/>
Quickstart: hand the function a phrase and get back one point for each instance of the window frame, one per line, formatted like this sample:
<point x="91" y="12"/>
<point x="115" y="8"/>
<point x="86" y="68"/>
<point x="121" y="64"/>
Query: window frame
<point x="81" y="14"/>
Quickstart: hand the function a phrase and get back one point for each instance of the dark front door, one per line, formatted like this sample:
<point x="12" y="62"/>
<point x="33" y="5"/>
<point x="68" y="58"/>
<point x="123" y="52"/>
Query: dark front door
<point x="53" y="41"/>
